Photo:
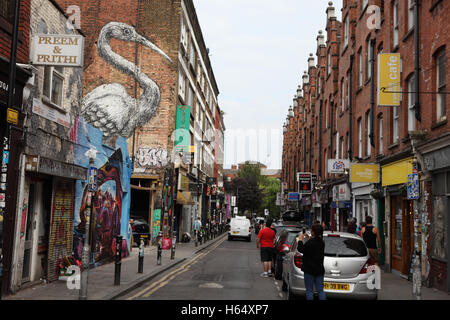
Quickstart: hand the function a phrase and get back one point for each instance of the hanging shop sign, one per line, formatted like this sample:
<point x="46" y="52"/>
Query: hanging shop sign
<point x="364" y="172"/>
<point x="338" y="165"/>
<point x="389" y="68"/>
<point x="304" y="182"/>
<point x="57" y="50"/>
<point x="343" y="192"/>
<point x="182" y="134"/>
<point x="12" y="116"/>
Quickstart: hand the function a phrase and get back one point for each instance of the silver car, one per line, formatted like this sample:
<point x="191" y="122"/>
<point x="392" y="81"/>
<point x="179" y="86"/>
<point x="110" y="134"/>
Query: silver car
<point x="348" y="268"/>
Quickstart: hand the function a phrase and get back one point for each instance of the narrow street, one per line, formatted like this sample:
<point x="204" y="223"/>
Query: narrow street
<point x="229" y="270"/>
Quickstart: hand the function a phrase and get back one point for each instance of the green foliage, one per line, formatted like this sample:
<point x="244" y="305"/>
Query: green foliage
<point x="270" y="187"/>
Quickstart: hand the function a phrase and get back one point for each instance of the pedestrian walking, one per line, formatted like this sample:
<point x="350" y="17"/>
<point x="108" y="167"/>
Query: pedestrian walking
<point x="351" y="227"/>
<point x="371" y="236"/>
<point x="361" y="225"/>
<point x="313" y="249"/>
<point x="325" y="226"/>
<point x="266" y="241"/>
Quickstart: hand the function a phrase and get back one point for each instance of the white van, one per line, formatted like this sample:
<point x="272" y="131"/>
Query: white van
<point x="240" y="227"/>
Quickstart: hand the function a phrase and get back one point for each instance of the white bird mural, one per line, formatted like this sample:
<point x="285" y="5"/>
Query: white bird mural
<point x="109" y="107"/>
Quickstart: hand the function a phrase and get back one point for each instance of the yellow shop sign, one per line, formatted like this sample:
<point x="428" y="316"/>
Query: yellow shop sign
<point x="389" y="66"/>
<point x="396" y="173"/>
<point x="364" y="172"/>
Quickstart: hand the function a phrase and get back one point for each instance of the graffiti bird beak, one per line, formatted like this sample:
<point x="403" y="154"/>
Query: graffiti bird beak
<point x="140" y="39"/>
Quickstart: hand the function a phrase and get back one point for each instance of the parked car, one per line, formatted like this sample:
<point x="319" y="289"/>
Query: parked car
<point x="293" y="216"/>
<point x="140" y="228"/>
<point x="284" y="240"/>
<point x="286" y="225"/>
<point x="346" y="263"/>
<point x="240" y="227"/>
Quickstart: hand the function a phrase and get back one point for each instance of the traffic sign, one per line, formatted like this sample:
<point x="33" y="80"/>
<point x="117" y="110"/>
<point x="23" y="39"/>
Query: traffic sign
<point x="304" y="182"/>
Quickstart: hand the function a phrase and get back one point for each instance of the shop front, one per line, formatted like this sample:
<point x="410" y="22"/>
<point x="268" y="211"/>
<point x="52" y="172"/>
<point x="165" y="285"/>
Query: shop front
<point x="341" y="207"/>
<point x="438" y="249"/>
<point x="365" y="205"/>
<point x="399" y="214"/>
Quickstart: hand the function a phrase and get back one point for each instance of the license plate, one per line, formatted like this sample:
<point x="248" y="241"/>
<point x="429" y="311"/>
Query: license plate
<point x="235" y="232"/>
<point x="144" y="236"/>
<point x="336" y="286"/>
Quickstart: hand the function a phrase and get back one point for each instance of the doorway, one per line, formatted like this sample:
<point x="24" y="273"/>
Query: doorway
<point x="30" y="224"/>
<point x="402" y="233"/>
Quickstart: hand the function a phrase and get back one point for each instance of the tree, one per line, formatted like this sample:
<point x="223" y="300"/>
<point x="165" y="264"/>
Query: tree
<point x="248" y="195"/>
<point x="270" y="187"/>
<point x="248" y="170"/>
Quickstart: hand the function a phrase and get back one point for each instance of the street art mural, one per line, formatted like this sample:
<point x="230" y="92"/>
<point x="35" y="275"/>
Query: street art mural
<point x="111" y="201"/>
<point x="109" y="107"/>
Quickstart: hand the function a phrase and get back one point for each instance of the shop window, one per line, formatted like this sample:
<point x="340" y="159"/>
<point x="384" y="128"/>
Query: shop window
<point x="53" y="84"/>
<point x="397" y="211"/>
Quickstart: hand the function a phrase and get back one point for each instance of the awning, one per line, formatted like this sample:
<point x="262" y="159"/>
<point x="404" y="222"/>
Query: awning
<point x="184" y="197"/>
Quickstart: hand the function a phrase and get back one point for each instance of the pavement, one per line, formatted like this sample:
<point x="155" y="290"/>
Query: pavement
<point x="101" y="279"/>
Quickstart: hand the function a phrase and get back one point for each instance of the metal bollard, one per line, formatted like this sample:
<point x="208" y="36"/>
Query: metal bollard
<point x="196" y="238"/>
<point x="159" y="252"/>
<point x="118" y="262"/>
<point x="172" y="249"/>
<point x="141" y="257"/>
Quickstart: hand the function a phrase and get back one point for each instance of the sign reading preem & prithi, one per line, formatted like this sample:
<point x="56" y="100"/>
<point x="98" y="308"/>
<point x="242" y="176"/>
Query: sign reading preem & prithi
<point x="57" y="50"/>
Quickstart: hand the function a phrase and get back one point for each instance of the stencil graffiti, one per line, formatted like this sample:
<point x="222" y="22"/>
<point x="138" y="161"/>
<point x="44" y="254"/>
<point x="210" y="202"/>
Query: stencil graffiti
<point x="109" y="107"/>
<point x="152" y="157"/>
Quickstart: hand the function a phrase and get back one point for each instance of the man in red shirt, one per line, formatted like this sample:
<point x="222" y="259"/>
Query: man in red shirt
<point x="266" y="241"/>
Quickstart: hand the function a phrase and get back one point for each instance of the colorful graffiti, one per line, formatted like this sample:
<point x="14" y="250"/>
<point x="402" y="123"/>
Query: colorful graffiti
<point x="111" y="200"/>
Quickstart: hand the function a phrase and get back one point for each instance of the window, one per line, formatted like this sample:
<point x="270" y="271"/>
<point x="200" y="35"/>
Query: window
<point x="190" y="97"/>
<point x="364" y="4"/>
<point x="369" y="149"/>
<point x="6" y="9"/>
<point x="342" y="148"/>
<point x="53" y="84"/>
<point x="346" y="31"/>
<point x="181" y="85"/>
<point x="369" y="59"/>
<point x="326" y="114"/>
<point x="192" y="54"/>
<point x="184" y="34"/>
<point x="319" y="83"/>
<point x="343" y="94"/>
<point x="395" y="124"/>
<point x="360" y="68"/>
<point x="441" y="87"/>
<point x="329" y="62"/>
<point x="411" y="111"/>
<point x="380" y="135"/>
<point x="359" y="138"/>
<point x="348" y="142"/>
<point x="410" y="14"/>
<point x="395" y="23"/>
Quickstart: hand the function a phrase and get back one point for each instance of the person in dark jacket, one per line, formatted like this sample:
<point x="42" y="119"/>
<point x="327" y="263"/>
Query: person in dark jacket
<point x="313" y="255"/>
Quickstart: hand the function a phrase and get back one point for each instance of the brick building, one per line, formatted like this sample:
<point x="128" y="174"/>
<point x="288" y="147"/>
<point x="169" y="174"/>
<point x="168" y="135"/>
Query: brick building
<point x="12" y="143"/>
<point x="336" y="116"/>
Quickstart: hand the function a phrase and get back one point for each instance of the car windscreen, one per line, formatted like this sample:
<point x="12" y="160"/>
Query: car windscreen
<point x="291" y="237"/>
<point x="344" y="247"/>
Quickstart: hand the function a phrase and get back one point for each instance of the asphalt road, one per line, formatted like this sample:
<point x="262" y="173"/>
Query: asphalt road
<point x="228" y="270"/>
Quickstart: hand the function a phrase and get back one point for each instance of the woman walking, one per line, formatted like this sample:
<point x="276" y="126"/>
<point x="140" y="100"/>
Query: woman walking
<point x="313" y="254"/>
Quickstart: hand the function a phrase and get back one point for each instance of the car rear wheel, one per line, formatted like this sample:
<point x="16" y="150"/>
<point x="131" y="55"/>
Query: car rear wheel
<point x="278" y="270"/>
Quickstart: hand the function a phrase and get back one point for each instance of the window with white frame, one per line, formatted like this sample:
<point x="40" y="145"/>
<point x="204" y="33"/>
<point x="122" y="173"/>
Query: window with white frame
<point x="326" y="114"/>
<point x="441" y="86"/>
<point x="411" y="111"/>
<point x="380" y="135"/>
<point x="343" y="94"/>
<point x="190" y="97"/>
<point x="184" y="34"/>
<point x="395" y="120"/>
<point x="342" y="148"/>
<point x="369" y="59"/>
<point x="192" y="54"/>
<point x="181" y="85"/>
<point x="410" y="14"/>
<point x="395" y="23"/>
<point x="54" y="84"/>
<point x="329" y="62"/>
<point x="359" y="138"/>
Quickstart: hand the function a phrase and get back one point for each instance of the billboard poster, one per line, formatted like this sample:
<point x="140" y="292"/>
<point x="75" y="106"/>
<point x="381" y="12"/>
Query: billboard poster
<point x="182" y="134"/>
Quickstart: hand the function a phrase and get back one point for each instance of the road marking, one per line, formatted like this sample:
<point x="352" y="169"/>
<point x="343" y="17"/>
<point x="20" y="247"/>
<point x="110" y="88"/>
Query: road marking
<point x="173" y="274"/>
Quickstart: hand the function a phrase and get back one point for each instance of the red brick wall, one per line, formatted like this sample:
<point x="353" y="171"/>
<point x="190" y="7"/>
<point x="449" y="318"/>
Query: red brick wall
<point x="23" y="48"/>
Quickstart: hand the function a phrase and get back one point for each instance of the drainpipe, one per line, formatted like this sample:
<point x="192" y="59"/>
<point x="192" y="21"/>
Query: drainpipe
<point x="372" y="91"/>
<point x="350" y="110"/>
<point x="416" y="60"/>
<point x="320" y="137"/>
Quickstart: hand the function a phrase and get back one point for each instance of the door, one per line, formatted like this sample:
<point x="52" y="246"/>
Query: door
<point x="30" y="225"/>
<point x="402" y="233"/>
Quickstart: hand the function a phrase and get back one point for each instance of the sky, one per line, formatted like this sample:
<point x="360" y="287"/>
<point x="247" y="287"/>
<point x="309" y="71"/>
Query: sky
<point x="259" y="51"/>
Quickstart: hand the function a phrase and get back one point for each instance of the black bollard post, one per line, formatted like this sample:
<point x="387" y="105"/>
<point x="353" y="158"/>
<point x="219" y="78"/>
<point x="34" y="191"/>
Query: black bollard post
<point x="118" y="262"/>
<point x="159" y="252"/>
<point x="172" y="249"/>
<point x="141" y="257"/>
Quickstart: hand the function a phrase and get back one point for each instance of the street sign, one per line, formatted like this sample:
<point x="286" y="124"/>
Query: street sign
<point x="338" y="165"/>
<point x="92" y="186"/>
<point x="233" y="201"/>
<point x="12" y="116"/>
<point x="235" y="210"/>
<point x="413" y="186"/>
<point x="304" y="182"/>
<point x="293" y="196"/>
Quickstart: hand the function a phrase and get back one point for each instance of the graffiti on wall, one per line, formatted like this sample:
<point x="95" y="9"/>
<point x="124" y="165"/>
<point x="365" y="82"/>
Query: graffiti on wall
<point x="109" y="107"/>
<point x="152" y="157"/>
